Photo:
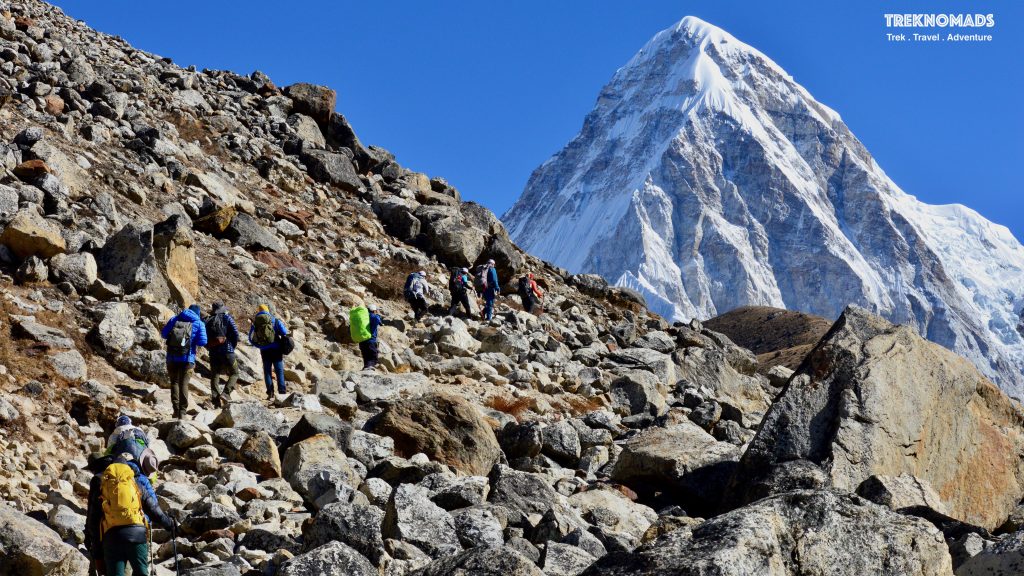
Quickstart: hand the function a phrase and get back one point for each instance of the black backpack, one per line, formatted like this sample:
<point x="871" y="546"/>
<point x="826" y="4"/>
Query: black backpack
<point x="407" y="291"/>
<point x="455" y="283"/>
<point x="180" y="341"/>
<point x="216" y="330"/>
<point x="524" y="287"/>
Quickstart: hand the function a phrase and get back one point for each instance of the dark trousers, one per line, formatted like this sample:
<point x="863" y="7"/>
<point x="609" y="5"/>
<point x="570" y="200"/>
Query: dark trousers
<point x="223" y="366"/>
<point x="179" y="373"/>
<point x="419" y="305"/>
<point x="370" y="352"/>
<point x="273" y="363"/>
<point x="116" y="554"/>
<point x="463" y="299"/>
<point x="528" y="303"/>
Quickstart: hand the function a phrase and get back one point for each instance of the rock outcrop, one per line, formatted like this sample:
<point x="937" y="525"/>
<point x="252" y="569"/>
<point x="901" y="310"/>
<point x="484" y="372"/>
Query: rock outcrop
<point x="876" y="399"/>
<point x="444" y="427"/>
<point x="804" y="532"/>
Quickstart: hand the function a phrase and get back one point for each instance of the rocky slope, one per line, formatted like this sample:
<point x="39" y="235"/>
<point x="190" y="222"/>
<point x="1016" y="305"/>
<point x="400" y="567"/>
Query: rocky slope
<point x="778" y="337"/>
<point x="708" y="179"/>
<point x="595" y="437"/>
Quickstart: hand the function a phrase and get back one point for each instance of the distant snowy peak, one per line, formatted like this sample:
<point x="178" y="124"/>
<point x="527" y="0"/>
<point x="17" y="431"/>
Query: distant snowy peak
<point x="707" y="178"/>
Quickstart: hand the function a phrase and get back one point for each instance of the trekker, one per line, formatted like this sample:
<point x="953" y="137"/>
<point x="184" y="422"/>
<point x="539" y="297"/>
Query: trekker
<point x="120" y="507"/>
<point x="183" y="333"/>
<point x="370" y="348"/>
<point x="491" y="289"/>
<point x="529" y="292"/>
<point x="130" y="439"/>
<point x="266" y="334"/>
<point x="459" y="285"/>
<point x="127" y="437"/>
<point x="416" y="292"/>
<point x="222" y="334"/>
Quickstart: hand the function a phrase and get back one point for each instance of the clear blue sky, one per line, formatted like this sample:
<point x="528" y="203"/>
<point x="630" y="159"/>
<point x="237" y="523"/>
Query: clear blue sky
<point x="483" y="92"/>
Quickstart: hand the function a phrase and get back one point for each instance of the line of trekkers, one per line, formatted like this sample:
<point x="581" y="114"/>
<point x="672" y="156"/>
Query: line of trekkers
<point x="218" y="332"/>
<point x="365" y="321"/>
<point x="122" y="503"/>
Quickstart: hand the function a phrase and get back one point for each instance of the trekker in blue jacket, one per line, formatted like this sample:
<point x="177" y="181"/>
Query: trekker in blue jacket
<point x="491" y="289"/>
<point x="265" y="334"/>
<point x="183" y="333"/>
<point x="222" y="333"/>
<point x="370" y="349"/>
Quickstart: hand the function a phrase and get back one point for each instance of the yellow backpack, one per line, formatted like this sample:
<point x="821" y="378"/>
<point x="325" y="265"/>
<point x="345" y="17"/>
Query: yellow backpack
<point x="121" y="498"/>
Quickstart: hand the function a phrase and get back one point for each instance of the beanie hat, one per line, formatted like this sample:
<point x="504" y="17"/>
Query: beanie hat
<point x="122" y="420"/>
<point x="195" y="308"/>
<point x="264" y="308"/>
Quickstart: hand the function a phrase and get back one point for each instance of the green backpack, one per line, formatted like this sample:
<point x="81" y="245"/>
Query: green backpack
<point x="359" y="324"/>
<point x="263" y="330"/>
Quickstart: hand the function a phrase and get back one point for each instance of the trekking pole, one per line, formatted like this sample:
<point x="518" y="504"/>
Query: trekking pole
<point x="174" y="545"/>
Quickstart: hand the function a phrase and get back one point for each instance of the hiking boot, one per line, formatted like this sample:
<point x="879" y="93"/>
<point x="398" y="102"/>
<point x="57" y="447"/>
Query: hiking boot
<point x="270" y="395"/>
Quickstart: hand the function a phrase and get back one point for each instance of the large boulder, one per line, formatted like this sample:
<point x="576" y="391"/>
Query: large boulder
<point x="332" y="168"/>
<point x="877" y="399"/>
<point x="259" y="454"/>
<point x="397" y="216"/>
<point x="30" y="548"/>
<point x="413" y="518"/>
<point x="1004" y="558"/>
<point x="251" y="416"/>
<point x="29" y="234"/>
<point x="357" y="525"/>
<point x="482" y="561"/>
<point x="306" y="129"/>
<point x="682" y="460"/>
<point x="446" y="428"/>
<point x="78" y="269"/>
<point x="331" y="559"/>
<point x="316" y="467"/>
<point x="614" y="513"/>
<point x="247" y="232"/>
<point x="315" y="423"/>
<point x="792" y="534"/>
<point x="314" y="101"/>
<point x="453" y="242"/>
<point x="115" y="330"/>
<point x="173" y="246"/>
<point x="374" y="387"/>
<point x="127" y="260"/>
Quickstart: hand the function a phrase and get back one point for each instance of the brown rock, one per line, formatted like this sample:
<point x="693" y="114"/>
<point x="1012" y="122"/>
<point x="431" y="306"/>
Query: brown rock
<point x="314" y="101"/>
<point x="247" y="494"/>
<point x="53" y="104"/>
<point x="216" y="222"/>
<point x="259" y="455"/>
<point x="29" y="234"/>
<point x="176" y="257"/>
<point x="877" y="399"/>
<point x="31" y="169"/>
<point x="281" y="261"/>
<point x="445" y="428"/>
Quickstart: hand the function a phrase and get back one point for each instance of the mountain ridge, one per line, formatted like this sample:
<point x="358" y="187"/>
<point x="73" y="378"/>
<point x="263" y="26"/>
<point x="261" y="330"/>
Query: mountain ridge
<point x="706" y="178"/>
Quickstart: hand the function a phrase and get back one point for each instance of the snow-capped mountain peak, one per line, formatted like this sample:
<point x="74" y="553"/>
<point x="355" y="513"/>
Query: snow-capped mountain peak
<point x="706" y="178"/>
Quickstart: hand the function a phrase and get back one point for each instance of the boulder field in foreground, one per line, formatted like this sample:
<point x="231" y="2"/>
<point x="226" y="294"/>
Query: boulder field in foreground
<point x="796" y="533"/>
<point x="30" y="548"/>
<point x="876" y="399"/>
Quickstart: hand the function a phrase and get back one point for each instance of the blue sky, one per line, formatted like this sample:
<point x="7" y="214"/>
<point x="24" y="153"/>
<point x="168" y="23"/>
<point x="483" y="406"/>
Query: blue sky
<point x="483" y="92"/>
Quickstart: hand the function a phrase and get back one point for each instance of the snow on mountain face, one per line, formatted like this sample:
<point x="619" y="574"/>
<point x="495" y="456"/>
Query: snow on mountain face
<point x="706" y="178"/>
